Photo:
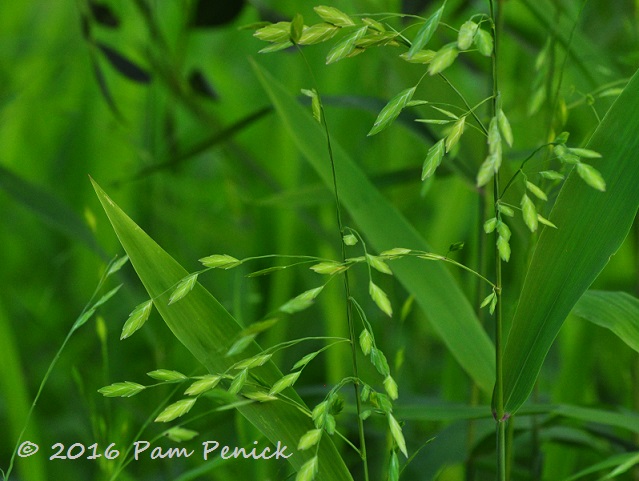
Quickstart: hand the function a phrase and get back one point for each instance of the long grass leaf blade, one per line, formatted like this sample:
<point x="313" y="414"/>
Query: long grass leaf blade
<point x="591" y="227"/>
<point x="207" y="330"/>
<point x="434" y="288"/>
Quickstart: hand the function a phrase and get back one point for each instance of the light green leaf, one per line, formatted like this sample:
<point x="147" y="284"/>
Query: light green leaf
<point x="328" y="268"/>
<point x="564" y="155"/>
<point x="208" y="382"/>
<point x="393" y="467"/>
<point x="551" y="175"/>
<point x="503" y="230"/>
<point x="487" y="300"/>
<point x="504" y="127"/>
<point x="494" y="137"/>
<point x="136" y="319"/>
<point x="277" y="32"/>
<point x="567" y="260"/>
<point x="121" y="389"/>
<point x="466" y="34"/>
<point x="396" y="432"/>
<point x="490" y="225"/>
<point x="345" y="46"/>
<point x="392" y="110"/>
<point x="529" y="213"/>
<point x="310" y="439"/>
<point x="334" y="16"/>
<point x="591" y="176"/>
<point x="183" y="288"/>
<point x="390" y="386"/>
<point x="423" y="56"/>
<point x="253" y="362"/>
<point x="540" y="194"/>
<point x="350" y="239"/>
<point x="221" y="261"/>
<point x="302" y="301"/>
<point x="617" y="311"/>
<point x="308" y="471"/>
<point x="318" y="33"/>
<point x="209" y="332"/>
<point x="450" y="313"/>
<point x="366" y="341"/>
<point x="276" y="47"/>
<point x="545" y="221"/>
<point x="316" y="106"/>
<point x="379" y="361"/>
<point x="297" y="28"/>
<point x="505" y="210"/>
<point x="238" y="382"/>
<point x="484" y="42"/>
<point x="305" y="360"/>
<point x="117" y="265"/>
<point x="166" y="375"/>
<point x="380" y="298"/>
<point x="395" y="252"/>
<point x="443" y="59"/>
<point x="175" y="410"/>
<point x="426" y="32"/>
<point x="455" y="133"/>
<point x="285" y="382"/>
<point x="585" y="153"/>
<point x="178" y="434"/>
<point x="504" y="249"/>
<point x="378" y="264"/>
<point x="487" y="170"/>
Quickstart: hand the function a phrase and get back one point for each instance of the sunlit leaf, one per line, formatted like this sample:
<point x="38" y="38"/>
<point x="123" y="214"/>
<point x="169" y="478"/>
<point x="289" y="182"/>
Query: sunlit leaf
<point x="426" y="32"/>
<point x="175" y="410"/>
<point x="392" y="110"/>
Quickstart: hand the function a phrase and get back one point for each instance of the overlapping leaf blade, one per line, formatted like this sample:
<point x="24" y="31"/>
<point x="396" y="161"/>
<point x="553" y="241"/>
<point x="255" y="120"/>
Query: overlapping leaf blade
<point x="207" y="330"/>
<point x="591" y="227"/>
<point x="434" y="288"/>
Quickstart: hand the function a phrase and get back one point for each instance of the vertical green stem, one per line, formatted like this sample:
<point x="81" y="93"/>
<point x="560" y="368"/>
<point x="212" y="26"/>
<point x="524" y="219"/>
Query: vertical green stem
<point x="347" y="287"/>
<point x="500" y="416"/>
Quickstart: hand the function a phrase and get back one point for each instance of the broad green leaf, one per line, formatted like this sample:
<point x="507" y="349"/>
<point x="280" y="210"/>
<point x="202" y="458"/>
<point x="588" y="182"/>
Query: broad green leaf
<point x="392" y="110"/>
<point x="334" y="16"/>
<point x="207" y="330"/>
<point x="443" y="59"/>
<point x="344" y="47"/>
<point x="426" y="32"/>
<point x="136" y="319"/>
<point x="617" y="311"/>
<point x="175" y="410"/>
<point x="448" y="310"/>
<point x="592" y="226"/>
<point x="466" y="34"/>
<point x="121" y="389"/>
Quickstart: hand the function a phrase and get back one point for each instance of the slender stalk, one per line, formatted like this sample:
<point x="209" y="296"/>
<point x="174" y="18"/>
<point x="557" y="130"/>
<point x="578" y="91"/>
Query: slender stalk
<point x="499" y="414"/>
<point x="347" y="287"/>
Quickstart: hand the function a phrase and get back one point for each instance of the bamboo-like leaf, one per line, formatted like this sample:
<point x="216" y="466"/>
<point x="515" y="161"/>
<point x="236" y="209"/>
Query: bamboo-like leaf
<point x="392" y="110"/>
<point x="208" y="330"/>
<point x="617" y="311"/>
<point x="434" y="288"/>
<point x="426" y="32"/>
<point x="207" y="383"/>
<point x="433" y="159"/>
<point x="567" y="260"/>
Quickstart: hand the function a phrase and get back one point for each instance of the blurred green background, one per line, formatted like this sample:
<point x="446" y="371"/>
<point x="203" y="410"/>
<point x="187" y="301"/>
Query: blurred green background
<point x="157" y="101"/>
